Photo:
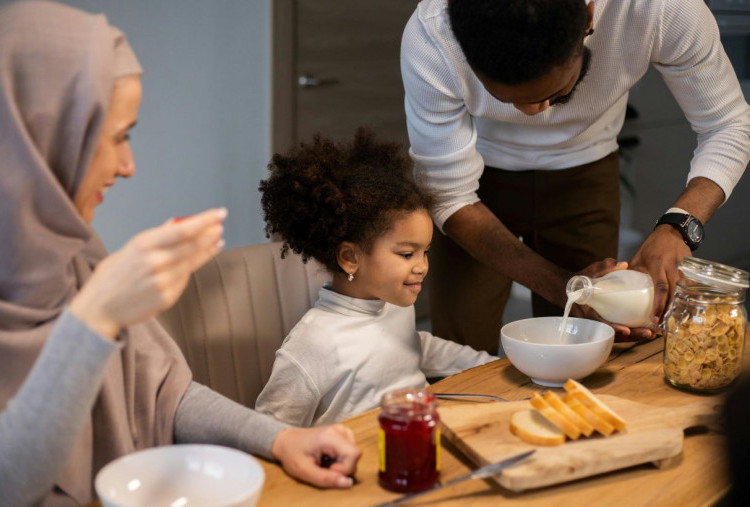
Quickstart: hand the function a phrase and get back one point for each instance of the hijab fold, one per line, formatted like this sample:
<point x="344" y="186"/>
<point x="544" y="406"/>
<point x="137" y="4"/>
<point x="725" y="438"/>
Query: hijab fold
<point x="58" y="66"/>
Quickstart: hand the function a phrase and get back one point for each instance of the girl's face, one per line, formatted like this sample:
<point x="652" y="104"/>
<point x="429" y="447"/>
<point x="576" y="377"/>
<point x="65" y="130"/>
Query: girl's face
<point x="112" y="158"/>
<point x="394" y="269"/>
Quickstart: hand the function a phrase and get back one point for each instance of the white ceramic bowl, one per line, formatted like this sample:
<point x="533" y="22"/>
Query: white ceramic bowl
<point x="533" y="346"/>
<point x="181" y="476"/>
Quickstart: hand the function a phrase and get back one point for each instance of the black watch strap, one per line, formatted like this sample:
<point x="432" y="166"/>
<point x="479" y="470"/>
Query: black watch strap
<point x="690" y="227"/>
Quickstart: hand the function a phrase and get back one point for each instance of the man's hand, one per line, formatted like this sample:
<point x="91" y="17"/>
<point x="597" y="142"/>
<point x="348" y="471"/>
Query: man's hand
<point x="664" y="248"/>
<point x="326" y="456"/>
<point x="659" y="256"/>
<point x="622" y="333"/>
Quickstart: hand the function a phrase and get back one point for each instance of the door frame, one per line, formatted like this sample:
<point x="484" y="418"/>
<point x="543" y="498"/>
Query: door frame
<point x="283" y="79"/>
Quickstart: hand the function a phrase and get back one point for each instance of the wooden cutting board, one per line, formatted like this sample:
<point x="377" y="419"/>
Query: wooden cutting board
<point x="654" y="434"/>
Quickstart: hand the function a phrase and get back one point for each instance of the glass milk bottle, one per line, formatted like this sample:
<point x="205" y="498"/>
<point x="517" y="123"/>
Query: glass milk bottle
<point x="622" y="297"/>
<point x="705" y="326"/>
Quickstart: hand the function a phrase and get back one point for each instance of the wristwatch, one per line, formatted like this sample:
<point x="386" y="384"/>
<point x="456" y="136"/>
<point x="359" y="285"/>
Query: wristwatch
<point x="690" y="227"/>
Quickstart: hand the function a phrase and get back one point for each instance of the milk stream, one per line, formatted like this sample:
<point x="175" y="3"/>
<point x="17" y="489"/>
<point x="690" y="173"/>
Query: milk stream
<point x="572" y="298"/>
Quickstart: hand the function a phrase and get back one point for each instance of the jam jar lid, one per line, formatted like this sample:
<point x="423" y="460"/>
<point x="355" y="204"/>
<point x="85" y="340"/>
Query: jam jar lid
<point x="713" y="273"/>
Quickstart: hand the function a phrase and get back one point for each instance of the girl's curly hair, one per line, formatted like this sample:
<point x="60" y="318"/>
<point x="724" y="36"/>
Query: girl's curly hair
<point x="323" y="193"/>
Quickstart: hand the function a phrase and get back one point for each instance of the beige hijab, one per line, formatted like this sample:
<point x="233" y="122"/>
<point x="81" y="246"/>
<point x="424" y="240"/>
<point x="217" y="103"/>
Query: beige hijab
<point x="57" y="69"/>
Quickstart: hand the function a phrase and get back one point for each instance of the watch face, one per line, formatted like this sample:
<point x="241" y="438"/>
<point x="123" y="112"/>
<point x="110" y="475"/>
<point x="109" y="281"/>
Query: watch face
<point x="694" y="231"/>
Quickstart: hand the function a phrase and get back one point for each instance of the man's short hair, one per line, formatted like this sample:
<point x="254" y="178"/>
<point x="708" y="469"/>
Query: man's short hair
<point x="517" y="41"/>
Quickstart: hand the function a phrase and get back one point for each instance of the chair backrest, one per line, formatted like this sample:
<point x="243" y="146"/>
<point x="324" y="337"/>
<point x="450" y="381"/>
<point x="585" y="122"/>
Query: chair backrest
<point x="235" y="313"/>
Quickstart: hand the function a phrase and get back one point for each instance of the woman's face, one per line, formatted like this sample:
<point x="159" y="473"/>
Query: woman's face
<point x="112" y="158"/>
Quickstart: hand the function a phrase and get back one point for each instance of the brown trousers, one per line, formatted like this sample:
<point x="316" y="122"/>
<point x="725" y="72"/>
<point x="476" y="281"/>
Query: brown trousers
<point x="569" y="216"/>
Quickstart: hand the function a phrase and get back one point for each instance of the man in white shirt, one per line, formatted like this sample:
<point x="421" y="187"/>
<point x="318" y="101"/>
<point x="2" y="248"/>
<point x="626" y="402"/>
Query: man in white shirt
<point x="513" y="108"/>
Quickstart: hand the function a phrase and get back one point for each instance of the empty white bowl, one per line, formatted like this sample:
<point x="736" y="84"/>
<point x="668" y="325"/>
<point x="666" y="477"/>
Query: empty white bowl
<point x="533" y="346"/>
<point x="181" y="476"/>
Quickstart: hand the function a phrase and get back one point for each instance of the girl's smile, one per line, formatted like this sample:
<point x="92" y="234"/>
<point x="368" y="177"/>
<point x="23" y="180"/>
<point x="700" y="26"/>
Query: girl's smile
<point x="394" y="268"/>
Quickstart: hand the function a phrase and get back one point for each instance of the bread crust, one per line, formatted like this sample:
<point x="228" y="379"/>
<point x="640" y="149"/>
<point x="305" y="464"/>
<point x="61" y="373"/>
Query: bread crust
<point x="595" y="404"/>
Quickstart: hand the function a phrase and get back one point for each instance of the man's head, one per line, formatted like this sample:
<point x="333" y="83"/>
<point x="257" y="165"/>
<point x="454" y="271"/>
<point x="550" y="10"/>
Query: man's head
<point x="526" y="52"/>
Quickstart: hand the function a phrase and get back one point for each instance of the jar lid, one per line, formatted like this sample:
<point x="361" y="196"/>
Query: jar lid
<point x="714" y="273"/>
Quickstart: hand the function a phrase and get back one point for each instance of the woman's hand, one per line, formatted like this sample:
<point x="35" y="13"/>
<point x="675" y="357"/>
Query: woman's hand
<point x="325" y="457"/>
<point x="149" y="273"/>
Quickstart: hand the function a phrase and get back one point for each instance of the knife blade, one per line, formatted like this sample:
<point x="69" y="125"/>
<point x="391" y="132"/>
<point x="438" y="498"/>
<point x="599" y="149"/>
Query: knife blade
<point x="479" y="473"/>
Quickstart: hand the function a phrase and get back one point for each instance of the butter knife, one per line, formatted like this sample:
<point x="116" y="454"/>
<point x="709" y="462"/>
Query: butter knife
<point x="465" y="395"/>
<point x="479" y="473"/>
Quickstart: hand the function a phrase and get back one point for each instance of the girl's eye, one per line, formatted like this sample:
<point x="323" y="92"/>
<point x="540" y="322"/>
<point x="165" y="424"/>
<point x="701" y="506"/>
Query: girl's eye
<point x="406" y="255"/>
<point x="124" y="138"/>
<point x="427" y="251"/>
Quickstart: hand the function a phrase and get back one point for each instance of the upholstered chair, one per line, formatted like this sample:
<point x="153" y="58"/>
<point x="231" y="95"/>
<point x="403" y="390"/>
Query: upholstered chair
<point x="235" y="313"/>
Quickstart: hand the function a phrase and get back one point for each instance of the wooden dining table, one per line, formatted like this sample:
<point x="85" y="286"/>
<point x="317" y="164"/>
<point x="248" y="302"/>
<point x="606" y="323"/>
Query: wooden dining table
<point x="633" y="371"/>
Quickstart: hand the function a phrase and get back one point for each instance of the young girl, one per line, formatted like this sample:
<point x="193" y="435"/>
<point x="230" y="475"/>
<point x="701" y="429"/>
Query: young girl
<point x="354" y="208"/>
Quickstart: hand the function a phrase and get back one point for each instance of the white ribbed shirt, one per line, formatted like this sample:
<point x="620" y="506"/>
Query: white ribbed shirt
<point x="345" y="353"/>
<point x="456" y="127"/>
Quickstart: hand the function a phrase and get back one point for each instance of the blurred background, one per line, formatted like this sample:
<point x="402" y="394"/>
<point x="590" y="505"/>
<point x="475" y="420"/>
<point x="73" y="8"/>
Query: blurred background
<point x="227" y="83"/>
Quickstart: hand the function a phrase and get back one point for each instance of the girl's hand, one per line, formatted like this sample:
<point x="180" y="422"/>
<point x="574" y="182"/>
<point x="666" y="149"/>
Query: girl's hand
<point x="325" y="456"/>
<point x="149" y="273"/>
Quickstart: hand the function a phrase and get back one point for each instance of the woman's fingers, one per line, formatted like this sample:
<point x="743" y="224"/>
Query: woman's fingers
<point x="323" y="478"/>
<point x="301" y="452"/>
<point x="150" y="272"/>
<point x="340" y="443"/>
<point x="179" y="231"/>
<point x="344" y="431"/>
<point x="187" y="253"/>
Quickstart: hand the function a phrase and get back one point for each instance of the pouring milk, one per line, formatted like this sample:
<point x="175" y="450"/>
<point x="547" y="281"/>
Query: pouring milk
<point x="622" y="297"/>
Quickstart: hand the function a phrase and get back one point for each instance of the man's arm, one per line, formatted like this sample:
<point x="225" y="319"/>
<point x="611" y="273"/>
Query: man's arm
<point x="481" y="233"/>
<point x="664" y="248"/>
<point x="701" y="78"/>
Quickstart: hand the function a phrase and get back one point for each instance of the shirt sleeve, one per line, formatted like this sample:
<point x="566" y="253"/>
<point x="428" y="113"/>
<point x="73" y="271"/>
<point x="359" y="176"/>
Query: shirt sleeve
<point x="689" y="54"/>
<point x="290" y="394"/>
<point x="441" y="357"/>
<point x="41" y="423"/>
<point x="205" y="416"/>
<point x="441" y="131"/>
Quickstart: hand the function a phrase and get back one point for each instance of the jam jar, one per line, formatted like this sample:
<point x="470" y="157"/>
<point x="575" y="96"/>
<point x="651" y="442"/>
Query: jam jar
<point x="409" y="440"/>
<point x="705" y="326"/>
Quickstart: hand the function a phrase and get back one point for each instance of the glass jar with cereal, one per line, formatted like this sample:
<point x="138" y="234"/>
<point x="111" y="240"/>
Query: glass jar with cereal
<point x="705" y="326"/>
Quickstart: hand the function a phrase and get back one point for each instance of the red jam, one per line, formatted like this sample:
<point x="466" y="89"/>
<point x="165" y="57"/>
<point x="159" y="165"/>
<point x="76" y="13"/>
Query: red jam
<point x="409" y="440"/>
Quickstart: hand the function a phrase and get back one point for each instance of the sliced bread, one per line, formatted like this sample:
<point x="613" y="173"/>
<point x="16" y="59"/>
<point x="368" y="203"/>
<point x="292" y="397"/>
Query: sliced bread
<point x="555" y="402"/>
<point x="533" y="428"/>
<point x="589" y="416"/>
<point x="555" y="417"/>
<point x="594" y="404"/>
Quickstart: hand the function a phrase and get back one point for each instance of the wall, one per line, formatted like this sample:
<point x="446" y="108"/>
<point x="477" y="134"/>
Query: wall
<point x="203" y="136"/>
<point x="659" y="165"/>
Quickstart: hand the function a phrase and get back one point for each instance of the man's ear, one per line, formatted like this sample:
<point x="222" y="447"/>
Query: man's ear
<point x="347" y="257"/>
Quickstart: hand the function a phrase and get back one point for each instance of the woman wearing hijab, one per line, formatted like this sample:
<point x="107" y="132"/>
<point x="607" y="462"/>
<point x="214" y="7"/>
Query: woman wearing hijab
<point x="86" y="374"/>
